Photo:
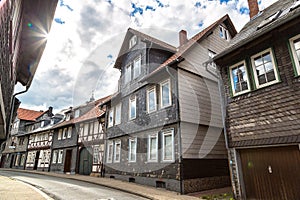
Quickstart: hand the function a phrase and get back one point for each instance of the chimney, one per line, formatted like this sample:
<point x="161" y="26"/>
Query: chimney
<point x="253" y="7"/>
<point x="182" y="37"/>
<point x="50" y="111"/>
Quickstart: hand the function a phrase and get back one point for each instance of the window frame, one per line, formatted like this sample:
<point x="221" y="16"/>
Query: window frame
<point x="60" y="156"/>
<point x="96" y="155"/>
<point x="232" y="81"/>
<point x="130" y="140"/>
<point x="118" y="119"/>
<point x="225" y="33"/>
<point x="59" y="134"/>
<point x="149" y="148"/>
<point x="296" y="61"/>
<point x="64" y="133"/>
<point x="128" y="73"/>
<point x="148" y="99"/>
<point x="132" y="41"/>
<point x="168" y="81"/>
<point x="138" y="60"/>
<point x="110" y="154"/>
<point x="69" y="134"/>
<point x="277" y="79"/>
<point x="111" y="113"/>
<point x="132" y="99"/>
<point x="117" y="142"/>
<point x="164" y="133"/>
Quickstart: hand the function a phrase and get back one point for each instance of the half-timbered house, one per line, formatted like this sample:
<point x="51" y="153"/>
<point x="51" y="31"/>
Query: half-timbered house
<point x="260" y="71"/>
<point x="164" y="126"/>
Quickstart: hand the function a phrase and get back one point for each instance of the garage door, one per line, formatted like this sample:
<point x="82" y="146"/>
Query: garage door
<point x="271" y="173"/>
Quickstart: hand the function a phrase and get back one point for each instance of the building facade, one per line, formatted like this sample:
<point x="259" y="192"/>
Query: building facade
<point x="159" y="129"/>
<point x="260" y="73"/>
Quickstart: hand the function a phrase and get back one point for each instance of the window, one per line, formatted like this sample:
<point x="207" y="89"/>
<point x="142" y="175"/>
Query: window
<point x="111" y="117"/>
<point x="69" y="132"/>
<point x="132" y="107"/>
<point x="132" y="150"/>
<point x="54" y="156"/>
<point x="239" y="78"/>
<point x="151" y="100"/>
<point x="168" y="145"/>
<point x="264" y="69"/>
<point x="152" y="148"/>
<point x="65" y="133"/>
<point x="96" y="155"/>
<point x="128" y="73"/>
<point x="165" y="93"/>
<point x="137" y="67"/>
<point x="42" y="123"/>
<point x="91" y="130"/>
<point x="60" y="156"/>
<point x="86" y="129"/>
<point x="224" y="33"/>
<point x="77" y="113"/>
<point x="96" y="127"/>
<point x="59" y="134"/>
<point x="295" y="47"/>
<point x="118" y="114"/>
<point x="211" y="54"/>
<point x="109" y="152"/>
<point x="132" y="41"/>
<point x="17" y="161"/>
<point x="21" y="140"/>
<point x="117" y="151"/>
<point x="22" y="160"/>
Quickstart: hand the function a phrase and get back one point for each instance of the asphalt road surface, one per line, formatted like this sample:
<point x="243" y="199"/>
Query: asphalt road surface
<point x="64" y="189"/>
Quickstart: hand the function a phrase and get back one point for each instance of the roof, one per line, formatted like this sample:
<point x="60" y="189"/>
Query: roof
<point x="28" y="115"/>
<point x="196" y="38"/>
<point x="93" y="113"/>
<point x="250" y="31"/>
<point x="130" y="33"/>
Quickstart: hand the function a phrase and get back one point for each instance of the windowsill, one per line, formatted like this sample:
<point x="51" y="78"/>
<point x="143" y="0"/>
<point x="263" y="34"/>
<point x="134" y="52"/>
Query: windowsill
<point x="268" y="84"/>
<point x="241" y="93"/>
<point x="168" y="161"/>
<point x="167" y="106"/>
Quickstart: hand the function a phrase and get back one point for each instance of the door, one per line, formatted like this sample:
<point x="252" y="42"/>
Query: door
<point x="271" y="173"/>
<point x="12" y="160"/>
<point x="68" y="159"/>
<point x="3" y="158"/>
<point x="85" y="161"/>
<point x="36" y="160"/>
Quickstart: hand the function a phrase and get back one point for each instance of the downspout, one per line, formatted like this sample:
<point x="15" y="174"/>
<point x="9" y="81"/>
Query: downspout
<point x="178" y="131"/>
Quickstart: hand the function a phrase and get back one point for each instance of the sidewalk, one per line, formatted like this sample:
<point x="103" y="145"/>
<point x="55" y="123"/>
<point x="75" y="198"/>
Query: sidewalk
<point x="11" y="189"/>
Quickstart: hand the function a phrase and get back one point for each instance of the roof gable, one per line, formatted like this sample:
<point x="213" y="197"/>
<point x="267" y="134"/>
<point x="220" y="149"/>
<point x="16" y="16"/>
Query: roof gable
<point x="28" y="115"/>
<point x="125" y="45"/>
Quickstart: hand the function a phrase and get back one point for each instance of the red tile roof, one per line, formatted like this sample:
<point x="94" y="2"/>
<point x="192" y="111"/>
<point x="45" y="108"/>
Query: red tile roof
<point x="28" y="115"/>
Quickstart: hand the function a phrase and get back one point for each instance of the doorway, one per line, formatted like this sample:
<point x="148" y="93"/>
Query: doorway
<point x="36" y="160"/>
<point x="85" y="161"/>
<point x="68" y="159"/>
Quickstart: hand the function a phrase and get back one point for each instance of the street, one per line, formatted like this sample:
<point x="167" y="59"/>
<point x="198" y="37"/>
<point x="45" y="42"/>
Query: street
<point x="60" y="188"/>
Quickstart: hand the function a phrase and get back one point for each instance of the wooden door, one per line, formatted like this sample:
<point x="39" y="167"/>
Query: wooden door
<point x="85" y="161"/>
<point x="36" y="160"/>
<point x="68" y="159"/>
<point x="271" y="173"/>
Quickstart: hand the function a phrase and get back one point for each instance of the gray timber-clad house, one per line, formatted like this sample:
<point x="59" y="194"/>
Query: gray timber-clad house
<point x="260" y="71"/>
<point x="164" y="125"/>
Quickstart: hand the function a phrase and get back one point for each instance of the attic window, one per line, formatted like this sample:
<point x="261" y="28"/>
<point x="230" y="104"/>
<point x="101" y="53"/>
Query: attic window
<point x="268" y="20"/>
<point x="295" y="5"/>
<point x="132" y="41"/>
<point x="77" y="113"/>
<point x="224" y="33"/>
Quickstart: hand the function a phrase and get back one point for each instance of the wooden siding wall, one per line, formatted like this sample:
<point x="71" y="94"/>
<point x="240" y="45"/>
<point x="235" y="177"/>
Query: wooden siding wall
<point x="270" y="115"/>
<point x="200" y="141"/>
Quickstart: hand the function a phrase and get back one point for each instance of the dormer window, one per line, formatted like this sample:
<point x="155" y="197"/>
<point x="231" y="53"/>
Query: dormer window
<point x="42" y="123"/>
<point x="77" y="113"/>
<point x="132" y="41"/>
<point x="68" y="117"/>
<point x="269" y="19"/>
<point x="224" y="33"/>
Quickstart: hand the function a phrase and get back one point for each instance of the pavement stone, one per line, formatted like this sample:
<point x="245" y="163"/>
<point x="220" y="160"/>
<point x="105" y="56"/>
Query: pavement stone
<point x="133" y="188"/>
<point x="11" y="189"/>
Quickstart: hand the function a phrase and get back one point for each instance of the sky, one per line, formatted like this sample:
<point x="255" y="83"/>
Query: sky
<point x="86" y="36"/>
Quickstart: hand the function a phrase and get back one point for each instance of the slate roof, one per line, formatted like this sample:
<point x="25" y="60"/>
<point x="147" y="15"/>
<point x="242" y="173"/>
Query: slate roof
<point x="196" y="38"/>
<point x="130" y="33"/>
<point x="250" y="31"/>
<point x="28" y="115"/>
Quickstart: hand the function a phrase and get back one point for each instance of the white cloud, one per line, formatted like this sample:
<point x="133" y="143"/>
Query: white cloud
<point x="95" y="29"/>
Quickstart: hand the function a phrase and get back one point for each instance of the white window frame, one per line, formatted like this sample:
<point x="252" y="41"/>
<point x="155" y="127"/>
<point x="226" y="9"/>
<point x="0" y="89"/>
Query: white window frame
<point x="165" y="133"/>
<point x="132" y="41"/>
<point x="211" y="54"/>
<point x="132" y="99"/>
<point x="77" y="113"/>
<point x="60" y="156"/>
<point x="96" y="155"/>
<point x="294" y="54"/>
<point x="111" y="117"/>
<point x="224" y="33"/>
<point x="118" y="112"/>
<point x="64" y="133"/>
<point x="116" y="143"/>
<point x="42" y="124"/>
<point x="232" y="81"/>
<point x="269" y="50"/>
<point x="127" y="75"/>
<point x="110" y="152"/>
<point x="130" y="141"/>
<point x="69" y="132"/>
<point x="137" y="65"/>
<point x="161" y="93"/>
<point x="149" y="148"/>
<point x="59" y="135"/>
<point x="152" y="89"/>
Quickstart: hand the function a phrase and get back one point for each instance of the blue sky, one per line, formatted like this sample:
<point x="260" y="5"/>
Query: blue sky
<point x="86" y="36"/>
